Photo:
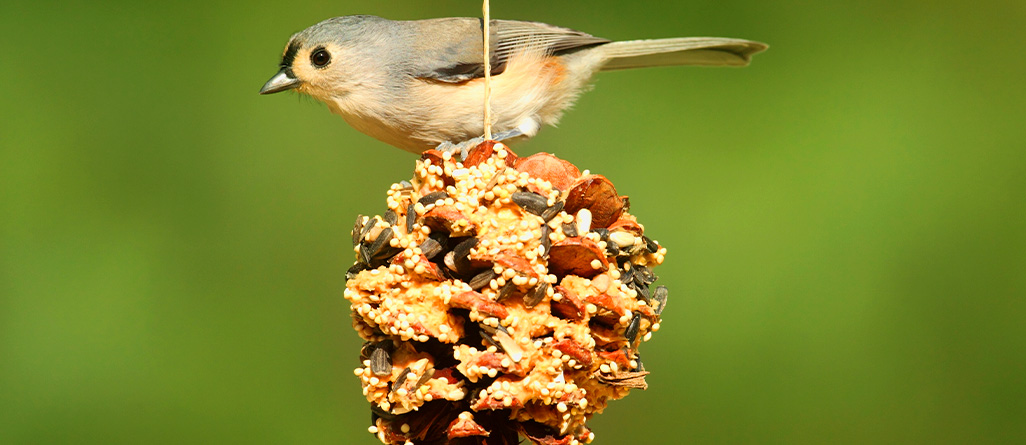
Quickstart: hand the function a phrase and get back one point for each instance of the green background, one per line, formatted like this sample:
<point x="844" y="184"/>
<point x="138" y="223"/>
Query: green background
<point x="845" y="222"/>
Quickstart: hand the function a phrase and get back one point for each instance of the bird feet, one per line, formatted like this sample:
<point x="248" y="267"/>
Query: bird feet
<point x="463" y="148"/>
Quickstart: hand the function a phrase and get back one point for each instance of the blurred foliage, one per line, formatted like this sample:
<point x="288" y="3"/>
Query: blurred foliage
<point x="845" y="222"/>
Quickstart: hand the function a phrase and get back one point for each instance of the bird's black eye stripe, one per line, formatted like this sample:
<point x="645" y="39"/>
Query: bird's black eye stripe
<point x="290" y="55"/>
<point x="320" y="57"/>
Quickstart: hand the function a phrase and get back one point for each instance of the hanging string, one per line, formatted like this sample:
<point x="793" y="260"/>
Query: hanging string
<point x="488" y="73"/>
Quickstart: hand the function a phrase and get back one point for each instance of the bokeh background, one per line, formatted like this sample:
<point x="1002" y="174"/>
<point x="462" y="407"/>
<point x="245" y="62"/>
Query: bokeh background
<point x="845" y="221"/>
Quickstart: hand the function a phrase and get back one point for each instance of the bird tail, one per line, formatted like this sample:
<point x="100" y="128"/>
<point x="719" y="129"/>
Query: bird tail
<point x="698" y="51"/>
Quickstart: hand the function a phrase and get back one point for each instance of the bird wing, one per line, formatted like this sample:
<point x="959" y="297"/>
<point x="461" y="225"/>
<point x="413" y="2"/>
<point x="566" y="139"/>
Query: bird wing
<point x="458" y="56"/>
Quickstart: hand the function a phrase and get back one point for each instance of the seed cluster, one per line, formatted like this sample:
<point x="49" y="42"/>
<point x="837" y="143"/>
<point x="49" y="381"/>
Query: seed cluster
<point x="499" y="297"/>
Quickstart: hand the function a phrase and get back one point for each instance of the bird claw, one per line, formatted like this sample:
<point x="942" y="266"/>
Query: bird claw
<point x="463" y="148"/>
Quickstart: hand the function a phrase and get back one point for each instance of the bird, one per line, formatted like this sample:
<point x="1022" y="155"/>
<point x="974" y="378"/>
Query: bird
<point x="419" y="84"/>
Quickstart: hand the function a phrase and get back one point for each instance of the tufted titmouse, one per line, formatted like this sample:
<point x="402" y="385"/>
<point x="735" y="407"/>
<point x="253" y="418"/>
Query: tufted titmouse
<point x="417" y="84"/>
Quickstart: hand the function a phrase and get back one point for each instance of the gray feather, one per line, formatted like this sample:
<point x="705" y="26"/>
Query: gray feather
<point x="461" y="39"/>
<point x="699" y="51"/>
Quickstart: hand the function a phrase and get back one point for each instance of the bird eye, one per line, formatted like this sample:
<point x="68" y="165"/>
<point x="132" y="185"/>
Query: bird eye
<point x="320" y="57"/>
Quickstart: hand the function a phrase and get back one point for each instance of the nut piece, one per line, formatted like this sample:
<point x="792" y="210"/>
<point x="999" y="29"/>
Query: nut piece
<point x="595" y="193"/>
<point x="577" y="256"/>
<point x="561" y="174"/>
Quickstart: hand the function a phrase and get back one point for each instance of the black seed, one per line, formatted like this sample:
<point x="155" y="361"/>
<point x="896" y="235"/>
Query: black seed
<point x="652" y="246"/>
<point x="537" y="295"/>
<point x="551" y="212"/>
<point x="429" y="247"/>
<point x="482" y="279"/>
<point x="461" y="255"/>
<point x="381" y="362"/>
<point x="367" y="228"/>
<point x="401" y="378"/>
<point x="369" y="347"/>
<point x="357" y="230"/>
<point x="546" y="242"/>
<point x="495" y="180"/>
<point x="376" y="410"/>
<point x="641" y="366"/>
<point x="366" y="350"/>
<point x="644" y="276"/>
<point x="487" y="337"/>
<point x="433" y="197"/>
<point x="530" y="201"/>
<point x="660" y="295"/>
<point x="638" y="249"/>
<point x="381" y="246"/>
<point x="449" y="261"/>
<point x="411" y="217"/>
<point x="428" y="373"/>
<point x="612" y="249"/>
<point x="643" y="292"/>
<point x="365" y="254"/>
<point x="627" y="273"/>
<point x="631" y="332"/>
<point x="505" y="291"/>
<point x="391" y="217"/>
<point x="357" y="268"/>
<point x="570" y="230"/>
<point x="603" y="233"/>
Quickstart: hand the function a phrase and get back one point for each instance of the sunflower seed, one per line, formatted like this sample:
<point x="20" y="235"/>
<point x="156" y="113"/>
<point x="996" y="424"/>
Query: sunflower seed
<point x="530" y="201"/>
<point x="482" y="279"/>
<point x="505" y="291"/>
<point x="461" y="255"/>
<point x="537" y="295"/>
<point x="501" y="339"/>
<point x="660" y="295"/>
<point x="381" y="247"/>
<point x="495" y="180"/>
<point x="405" y="185"/>
<point x="643" y="292"/>
<point x="627" y="273"/>
<point x="432" y="198"/>
<point x="358" y="229"/>
<point x="369" y="347"/>
<point x="377" y="411"/>
<point x="450" y="261"/>
<point x="429" y="247"/>
<point x="641" y="366"/>
<point x="428" y="373"/>
<point x="651" y="244"/>
<point x="631" y="332"/>
<point x="644" y="276"/>
<point x="401" y="378"/>
<point x="570" y="230"/>
<point x="551" y="212"/>
<point x="381" y="362"/>
<point x="546" y="242"/>
<point x="391" y="217"/>
<point x="411" y="218"/>
<point x="365" y="254"/>
<point x="612" y="249"/>
<point x="357" y="268"/>
<point x="367" y="227"/>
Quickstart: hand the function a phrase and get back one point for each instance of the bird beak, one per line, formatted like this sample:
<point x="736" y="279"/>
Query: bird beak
<point x="282" y="81"/>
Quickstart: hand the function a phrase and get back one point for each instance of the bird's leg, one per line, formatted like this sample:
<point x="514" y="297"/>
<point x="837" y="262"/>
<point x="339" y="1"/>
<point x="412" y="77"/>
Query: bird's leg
<point x="463" y="148"/>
